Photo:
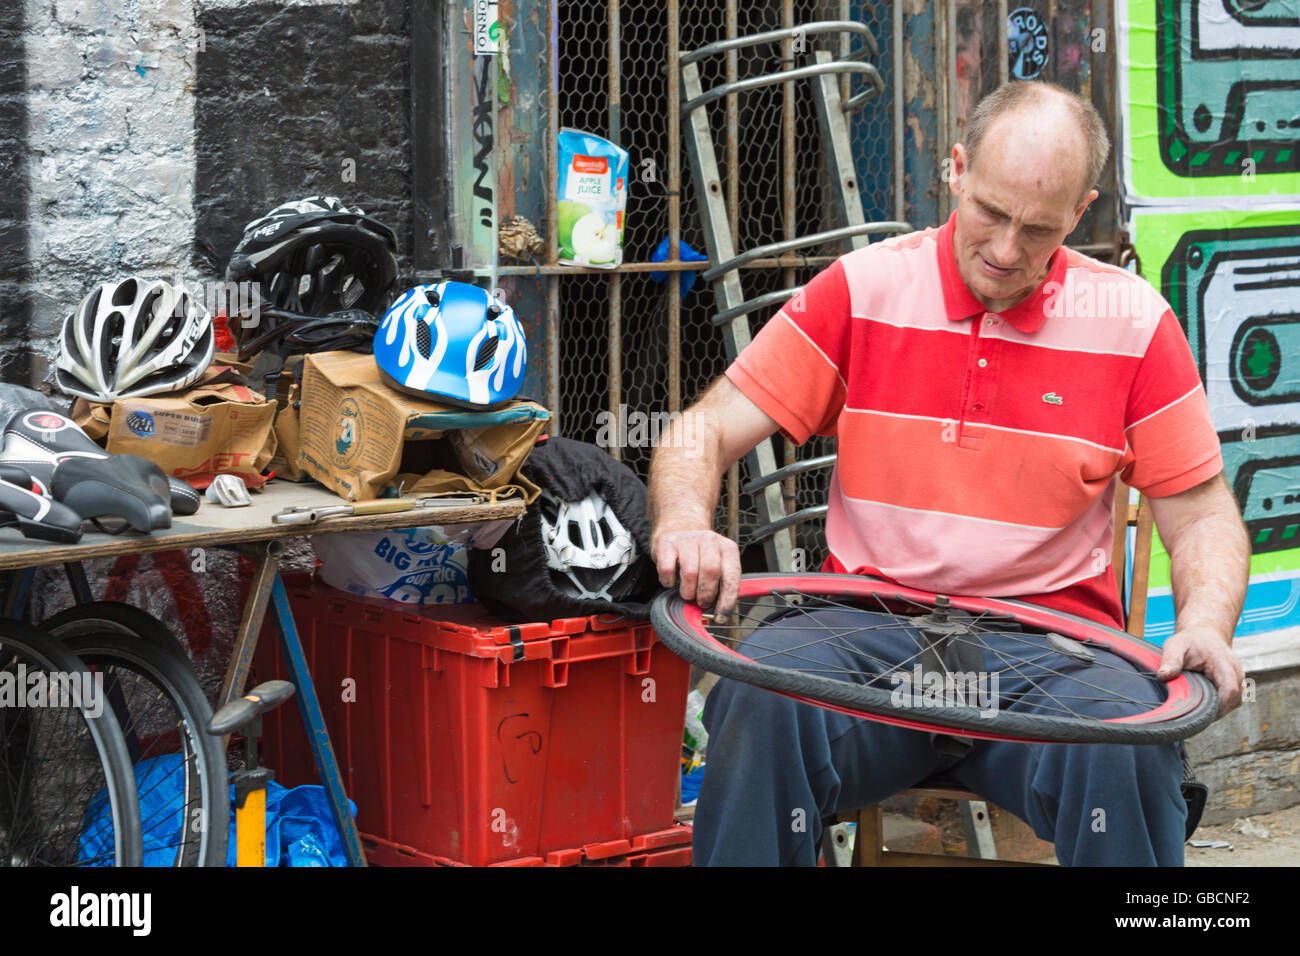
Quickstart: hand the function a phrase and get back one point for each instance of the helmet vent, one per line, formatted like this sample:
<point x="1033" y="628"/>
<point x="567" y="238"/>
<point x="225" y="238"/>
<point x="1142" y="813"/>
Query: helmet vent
<point x="353" y="289"/>
<point x="125" y="292"/>
<point x="423" y="339"/>
<point x="486" y="351"/>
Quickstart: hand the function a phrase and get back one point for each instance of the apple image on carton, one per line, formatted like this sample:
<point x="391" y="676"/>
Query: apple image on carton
<point x="585" y="234"/>
<point x="595" y="239"/>
<point x="569" y="212"/>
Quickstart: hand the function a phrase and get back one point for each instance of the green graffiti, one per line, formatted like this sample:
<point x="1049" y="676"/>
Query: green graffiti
<point x="1261" y="359"/>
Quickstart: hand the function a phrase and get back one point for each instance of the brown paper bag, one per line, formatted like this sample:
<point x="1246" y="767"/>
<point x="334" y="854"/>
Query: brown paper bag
<point x="285" y="463"/>
<point x="216" y="427"/>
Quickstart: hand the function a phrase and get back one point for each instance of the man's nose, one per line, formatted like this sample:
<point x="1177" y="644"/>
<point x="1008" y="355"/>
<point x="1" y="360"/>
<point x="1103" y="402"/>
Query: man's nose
<point x="1004" y="247"/>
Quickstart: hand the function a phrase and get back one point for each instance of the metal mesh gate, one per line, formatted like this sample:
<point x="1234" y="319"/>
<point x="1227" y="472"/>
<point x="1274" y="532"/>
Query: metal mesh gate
<point x="623" y="344"/>
<point x="612" y="346"/>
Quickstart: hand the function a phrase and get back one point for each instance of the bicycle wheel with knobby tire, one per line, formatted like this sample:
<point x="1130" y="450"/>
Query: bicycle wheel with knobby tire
<point x="974" y="667"/>
<point x="180" y="770"/>
<point x="65" y="773"/>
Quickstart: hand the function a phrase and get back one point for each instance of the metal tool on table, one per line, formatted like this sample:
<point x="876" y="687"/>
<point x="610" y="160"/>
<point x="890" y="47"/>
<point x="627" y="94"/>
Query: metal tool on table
<point x="376" y="506"/>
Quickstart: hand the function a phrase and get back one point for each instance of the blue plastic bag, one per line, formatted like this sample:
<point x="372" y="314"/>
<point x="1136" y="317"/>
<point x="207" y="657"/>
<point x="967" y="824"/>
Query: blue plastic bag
<point x="158" y="782"/>
<point x="300" y="829"/>
<point x="691" y="785"/>
<point x="685" y="254"/>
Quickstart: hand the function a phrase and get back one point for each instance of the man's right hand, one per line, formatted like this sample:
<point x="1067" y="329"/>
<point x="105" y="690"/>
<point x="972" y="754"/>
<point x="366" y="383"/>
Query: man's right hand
<point x="708" y="563"/>
<point x="685" y="477"/>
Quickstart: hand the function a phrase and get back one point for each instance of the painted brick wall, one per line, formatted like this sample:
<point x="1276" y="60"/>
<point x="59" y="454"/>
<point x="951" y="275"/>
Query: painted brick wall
<point x="139" y="136"/>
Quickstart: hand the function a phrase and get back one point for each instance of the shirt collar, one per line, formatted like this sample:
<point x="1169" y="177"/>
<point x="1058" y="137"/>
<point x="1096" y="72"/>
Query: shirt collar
<point x="960" y="303"/>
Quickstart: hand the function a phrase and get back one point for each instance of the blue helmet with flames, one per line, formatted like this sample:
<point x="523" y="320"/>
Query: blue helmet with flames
<point x="452" y="342"/>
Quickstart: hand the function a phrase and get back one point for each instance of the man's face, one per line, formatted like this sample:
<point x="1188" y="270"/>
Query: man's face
<point x="1014" y="209"/>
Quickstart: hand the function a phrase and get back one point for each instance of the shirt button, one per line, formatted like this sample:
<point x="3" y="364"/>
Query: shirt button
<point x="988" y="320"/>
<point x="983" y="363"/>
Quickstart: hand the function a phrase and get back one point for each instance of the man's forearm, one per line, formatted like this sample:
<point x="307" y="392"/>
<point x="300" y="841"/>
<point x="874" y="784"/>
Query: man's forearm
<point x="1209" y="568"/>
<point x="685" y="475"/>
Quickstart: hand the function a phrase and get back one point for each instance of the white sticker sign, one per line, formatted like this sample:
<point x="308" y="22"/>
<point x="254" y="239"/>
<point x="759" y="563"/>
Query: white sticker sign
<point x="485" y="27"/>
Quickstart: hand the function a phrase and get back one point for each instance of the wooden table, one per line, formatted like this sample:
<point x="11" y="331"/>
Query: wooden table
<point x="214" y="526"/>
<point x="250" y="531"/>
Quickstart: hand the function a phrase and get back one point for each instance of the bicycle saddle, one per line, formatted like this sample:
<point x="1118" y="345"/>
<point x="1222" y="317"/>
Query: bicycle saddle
<point x="38" y="443"/>
<point x="129" y="486"/>
<point x="64" y="463"/>
<point x="34" y="514"/>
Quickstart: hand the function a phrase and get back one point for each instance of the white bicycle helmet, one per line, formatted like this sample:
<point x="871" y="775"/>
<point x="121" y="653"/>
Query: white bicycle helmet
<point x="131" y="338"/>
<point x="588" y="550"/>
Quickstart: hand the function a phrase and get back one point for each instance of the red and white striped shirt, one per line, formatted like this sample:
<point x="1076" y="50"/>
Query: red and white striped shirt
<point x="977" y="450"/>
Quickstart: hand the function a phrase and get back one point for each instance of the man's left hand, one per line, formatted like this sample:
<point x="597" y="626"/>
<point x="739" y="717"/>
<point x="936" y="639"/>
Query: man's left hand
<point x="1204" y="649"/>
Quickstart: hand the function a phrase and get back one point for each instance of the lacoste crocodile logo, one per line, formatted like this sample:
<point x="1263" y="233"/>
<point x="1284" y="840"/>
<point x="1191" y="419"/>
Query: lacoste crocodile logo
<point x="1051" y="398"/>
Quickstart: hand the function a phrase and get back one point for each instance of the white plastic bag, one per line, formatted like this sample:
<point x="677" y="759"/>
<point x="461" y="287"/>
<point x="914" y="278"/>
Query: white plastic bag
<point x="407" y="565"/>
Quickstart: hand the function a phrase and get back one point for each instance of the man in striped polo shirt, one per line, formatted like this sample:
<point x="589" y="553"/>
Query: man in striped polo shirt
<point x="986" y="385"/>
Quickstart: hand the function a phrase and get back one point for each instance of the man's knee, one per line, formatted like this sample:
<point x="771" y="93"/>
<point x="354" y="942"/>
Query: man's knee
<point x="750" y="706"/>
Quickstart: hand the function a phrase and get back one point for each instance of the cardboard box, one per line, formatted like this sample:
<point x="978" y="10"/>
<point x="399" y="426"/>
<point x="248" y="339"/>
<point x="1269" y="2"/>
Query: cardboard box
<point x="285" y="463"/>
<point x="219" y="426"/>
<point x="358" y="437"/>
<point x="287" y="393"/>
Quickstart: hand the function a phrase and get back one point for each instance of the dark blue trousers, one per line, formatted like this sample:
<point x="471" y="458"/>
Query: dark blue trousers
<point x="776" y="766"/>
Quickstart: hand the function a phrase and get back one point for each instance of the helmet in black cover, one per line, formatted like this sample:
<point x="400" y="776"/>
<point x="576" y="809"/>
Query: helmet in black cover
<point x="317" y="256"/>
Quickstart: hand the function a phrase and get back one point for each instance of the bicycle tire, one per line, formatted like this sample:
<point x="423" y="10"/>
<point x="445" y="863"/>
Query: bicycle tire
<point x="1190" y="704"/>
<point x="128" y="639"/>
<point x="56" y="840"/>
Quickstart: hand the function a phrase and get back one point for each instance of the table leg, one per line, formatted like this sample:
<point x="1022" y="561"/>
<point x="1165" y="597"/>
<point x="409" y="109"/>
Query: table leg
<point x="309" y="706"/>
<point x="250" y="625"/>
<point x="77" y="581"/>
<point x="20" y="583"/>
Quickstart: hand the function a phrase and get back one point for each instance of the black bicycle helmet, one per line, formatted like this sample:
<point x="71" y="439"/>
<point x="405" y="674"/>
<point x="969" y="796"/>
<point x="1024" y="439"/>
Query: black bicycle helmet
<point x="315" y="256"/>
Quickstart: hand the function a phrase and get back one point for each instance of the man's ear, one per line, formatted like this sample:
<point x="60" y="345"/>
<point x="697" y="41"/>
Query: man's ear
<point x="1084" y="203"/>
<point x="957" y="166"/>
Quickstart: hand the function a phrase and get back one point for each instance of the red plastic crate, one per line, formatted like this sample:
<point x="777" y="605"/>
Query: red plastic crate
<point x="671" y="847"/>
<point x="464" y="739"/>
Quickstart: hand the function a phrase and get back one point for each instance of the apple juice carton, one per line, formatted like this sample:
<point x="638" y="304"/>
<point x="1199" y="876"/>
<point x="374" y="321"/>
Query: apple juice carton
<point x="593" y="195"/>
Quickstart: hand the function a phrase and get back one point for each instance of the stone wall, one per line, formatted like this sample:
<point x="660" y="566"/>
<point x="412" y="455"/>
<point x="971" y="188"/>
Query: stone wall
<point x="139" y="136"/>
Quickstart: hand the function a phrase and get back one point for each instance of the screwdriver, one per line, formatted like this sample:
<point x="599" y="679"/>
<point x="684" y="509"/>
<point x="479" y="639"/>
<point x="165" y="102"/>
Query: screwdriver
<point x="375" y="506"/>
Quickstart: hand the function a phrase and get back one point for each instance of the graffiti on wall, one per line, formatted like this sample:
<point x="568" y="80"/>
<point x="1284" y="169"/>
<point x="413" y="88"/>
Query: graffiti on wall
<point x="1234" y="290"/>
<point x="1027" y="44"/>
<point x="1228" y="81"/>
<point x="1232" y="279"/>
<point x="1213" y="94"/>
<point x="1210" y="160"/>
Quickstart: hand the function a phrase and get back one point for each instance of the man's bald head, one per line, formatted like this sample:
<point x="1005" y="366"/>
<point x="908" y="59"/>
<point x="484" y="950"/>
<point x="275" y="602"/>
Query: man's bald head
<point x="1042" y="116"/>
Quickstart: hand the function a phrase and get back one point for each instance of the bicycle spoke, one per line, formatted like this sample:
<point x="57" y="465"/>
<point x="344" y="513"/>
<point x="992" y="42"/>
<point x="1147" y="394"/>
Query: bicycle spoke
<point x="839" y="639"/>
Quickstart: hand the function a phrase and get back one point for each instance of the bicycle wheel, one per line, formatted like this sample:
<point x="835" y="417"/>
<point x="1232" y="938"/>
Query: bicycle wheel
<point x="989" y="668"/>
<point x="180" y="770"/>
<point x="65" y="774"/>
